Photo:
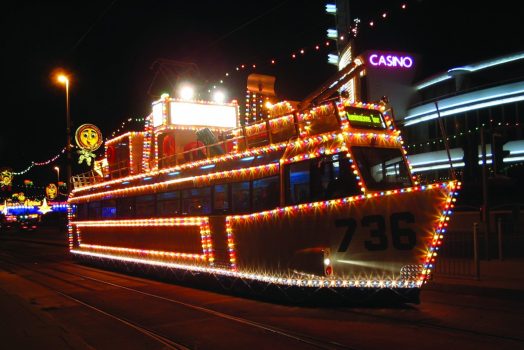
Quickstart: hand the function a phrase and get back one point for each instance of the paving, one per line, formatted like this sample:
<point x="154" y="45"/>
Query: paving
<point x="499" y="278"/>
<point x="28" y="327"/>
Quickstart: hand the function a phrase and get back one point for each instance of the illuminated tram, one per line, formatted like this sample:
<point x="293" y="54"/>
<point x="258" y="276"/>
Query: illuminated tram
<point x="315" y="198"/>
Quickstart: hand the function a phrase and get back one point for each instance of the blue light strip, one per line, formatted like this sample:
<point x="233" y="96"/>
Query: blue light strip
<point x="208" y="166"/>
<point x="30" y="209"/>
<point x="471" y="68"/>
<point x="331" y="9"/>
<point x="466" y="102"/>
<point x="439" y="160"/>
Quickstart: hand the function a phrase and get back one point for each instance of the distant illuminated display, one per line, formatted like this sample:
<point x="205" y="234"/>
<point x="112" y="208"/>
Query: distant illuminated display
<point x="364" y="118"/>
<point x="158" y="114"/>
<point x="393" y="61"/>
<point x="199" y="114"/>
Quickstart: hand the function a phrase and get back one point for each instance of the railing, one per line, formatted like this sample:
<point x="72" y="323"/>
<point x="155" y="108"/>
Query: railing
<point x="86" y="179"/>
<point x="266" y="133"/>
<point x="118" y="170"/>
<point x="463" y="250"/>
<point x="275" y="130"/>
<point x="458" y="256"/>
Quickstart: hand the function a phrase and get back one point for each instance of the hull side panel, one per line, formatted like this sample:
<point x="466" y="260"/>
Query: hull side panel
<point x="371" y="237"/>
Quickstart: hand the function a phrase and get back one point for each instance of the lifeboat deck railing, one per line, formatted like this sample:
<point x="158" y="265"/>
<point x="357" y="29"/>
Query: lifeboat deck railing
<point x="271" y="131"/>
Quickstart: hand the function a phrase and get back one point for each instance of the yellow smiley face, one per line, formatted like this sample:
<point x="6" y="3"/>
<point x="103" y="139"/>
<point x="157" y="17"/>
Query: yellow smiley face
<point x="6" y="177"/>
<point x="51" y="191"/>
<point x="88" y="137"/>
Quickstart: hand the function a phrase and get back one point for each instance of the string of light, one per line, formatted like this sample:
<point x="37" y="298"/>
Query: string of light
<point x="124" y="124"/>
<point x="293" y="55"/>
<point x="464" y="133"/>
<point x="302" y="51"/>
<point x="47" y="162"/>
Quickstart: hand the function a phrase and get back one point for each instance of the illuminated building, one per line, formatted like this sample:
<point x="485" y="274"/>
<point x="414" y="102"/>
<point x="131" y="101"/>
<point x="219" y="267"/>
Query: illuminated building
<point x="486" y="95"/>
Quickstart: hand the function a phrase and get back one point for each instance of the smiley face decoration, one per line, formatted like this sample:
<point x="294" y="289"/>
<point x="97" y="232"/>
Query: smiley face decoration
<point x="88" y="138"/>
<point x="51" y="191"/>
<point x="6" y="178"/>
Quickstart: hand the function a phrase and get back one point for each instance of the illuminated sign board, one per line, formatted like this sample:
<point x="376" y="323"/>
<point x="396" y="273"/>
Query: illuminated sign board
<point x="364" y="118"/>
<point x="390" y="60"/>
<point x="203" y="114"/>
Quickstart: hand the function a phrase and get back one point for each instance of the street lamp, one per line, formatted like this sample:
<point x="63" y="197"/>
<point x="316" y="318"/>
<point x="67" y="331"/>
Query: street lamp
<point x="57" y="169"/>
<point x="64" y="79"/>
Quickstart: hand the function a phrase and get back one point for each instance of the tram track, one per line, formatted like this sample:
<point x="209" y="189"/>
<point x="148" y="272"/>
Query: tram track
<point x="294" y="336"/>
<point x="170" y="344"/>
<point x="291" y="334"/>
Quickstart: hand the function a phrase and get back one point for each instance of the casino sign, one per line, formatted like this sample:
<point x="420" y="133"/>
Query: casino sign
<point x="390" y="60"/>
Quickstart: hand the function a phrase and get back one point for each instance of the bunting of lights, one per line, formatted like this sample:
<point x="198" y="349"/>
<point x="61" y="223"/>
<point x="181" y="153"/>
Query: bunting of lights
<point x="47" y="162"/>
<point x="460" y="134"/>
<point x="124" y="124"/>
<point x="371" y="23"/>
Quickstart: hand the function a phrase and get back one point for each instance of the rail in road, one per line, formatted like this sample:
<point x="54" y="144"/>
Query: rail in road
<point x="51" y="275"/>
<point x="334" y="328"/>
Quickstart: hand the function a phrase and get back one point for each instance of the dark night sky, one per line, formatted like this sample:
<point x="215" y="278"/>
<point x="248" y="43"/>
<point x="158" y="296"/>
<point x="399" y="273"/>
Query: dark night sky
<point x="110" y="46"/>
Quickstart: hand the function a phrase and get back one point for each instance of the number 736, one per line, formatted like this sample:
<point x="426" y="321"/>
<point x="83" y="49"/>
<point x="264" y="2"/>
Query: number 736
<point x="402" y="238"/>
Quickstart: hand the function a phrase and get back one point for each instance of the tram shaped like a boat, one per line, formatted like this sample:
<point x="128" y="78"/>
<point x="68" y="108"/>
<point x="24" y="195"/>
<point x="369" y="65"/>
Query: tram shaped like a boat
<point x="313" y="199"/>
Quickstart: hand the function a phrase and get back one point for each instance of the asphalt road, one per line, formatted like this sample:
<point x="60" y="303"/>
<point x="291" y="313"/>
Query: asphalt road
<point x="47" y="300"/>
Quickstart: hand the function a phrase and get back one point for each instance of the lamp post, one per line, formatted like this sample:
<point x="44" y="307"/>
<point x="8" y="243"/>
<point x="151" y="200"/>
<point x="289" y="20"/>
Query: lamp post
<point x="62" y="78"/>
<point x="57" y="169"/>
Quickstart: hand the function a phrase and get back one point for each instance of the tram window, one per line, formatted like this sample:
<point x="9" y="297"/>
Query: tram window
<point x="81" y="211"/>
<point x="382" y="168"/>
<point x="145" y="206"/>
<point x="196" y="201"/>
<point x="125" y="207"/>
<point x="267" y="158"/>
<point x="266" y="193"/>
<point x="322" y="178"/>
<point x="93" y="211"/>
<point x="109" y="209"/>
<point x="168" y="203"/>
<point x="221" y="198"/>
<point x="240" y="197"/>
<point x="298" y="184"/>
<point x="331" y="178"/>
